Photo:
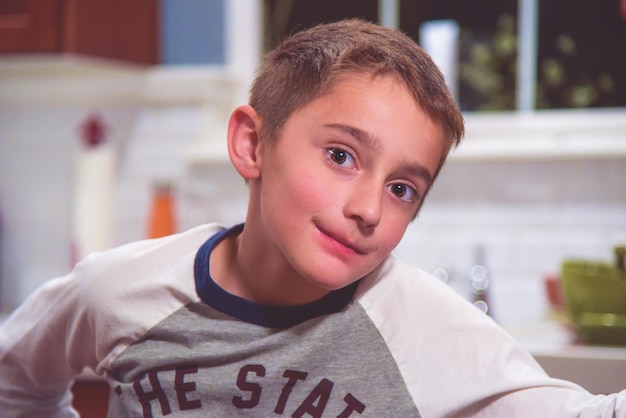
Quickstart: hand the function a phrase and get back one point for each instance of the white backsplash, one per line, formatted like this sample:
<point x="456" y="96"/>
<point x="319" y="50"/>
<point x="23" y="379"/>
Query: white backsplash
<point x="528" y="216"/>
<point x="38" y="150"/>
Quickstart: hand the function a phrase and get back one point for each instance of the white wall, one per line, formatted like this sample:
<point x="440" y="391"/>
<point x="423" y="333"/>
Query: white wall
<point x="529" y="216"/>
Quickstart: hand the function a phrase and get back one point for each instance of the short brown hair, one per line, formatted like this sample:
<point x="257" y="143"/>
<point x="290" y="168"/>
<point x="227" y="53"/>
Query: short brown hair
<point x="303" y="66"/>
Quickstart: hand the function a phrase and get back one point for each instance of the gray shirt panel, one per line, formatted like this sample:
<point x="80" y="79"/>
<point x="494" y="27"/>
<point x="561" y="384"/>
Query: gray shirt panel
<point x="201" y="363"/>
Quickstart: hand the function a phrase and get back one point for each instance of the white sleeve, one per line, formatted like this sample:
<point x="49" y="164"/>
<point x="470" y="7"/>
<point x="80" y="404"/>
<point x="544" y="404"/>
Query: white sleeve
<point x="41" y="352"/>
<point x="86" y="319"/>
<point x="457" y="362"/>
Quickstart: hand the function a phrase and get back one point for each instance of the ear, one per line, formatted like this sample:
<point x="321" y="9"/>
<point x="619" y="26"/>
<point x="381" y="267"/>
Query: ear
<point x="243" y="142"/>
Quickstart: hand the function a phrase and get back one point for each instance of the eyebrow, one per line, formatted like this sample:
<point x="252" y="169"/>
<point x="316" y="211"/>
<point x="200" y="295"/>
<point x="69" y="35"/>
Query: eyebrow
<point x="360" y="135"/>
<point x="375" y="144"/>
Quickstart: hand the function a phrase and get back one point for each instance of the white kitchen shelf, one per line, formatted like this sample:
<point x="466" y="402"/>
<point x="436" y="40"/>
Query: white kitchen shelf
<point x="34" y="80"/>
<point x="550" y="134"/>
<point x="61" y="79"/>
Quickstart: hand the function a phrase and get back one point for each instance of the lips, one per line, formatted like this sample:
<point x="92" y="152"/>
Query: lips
<point x="342" y="241"/>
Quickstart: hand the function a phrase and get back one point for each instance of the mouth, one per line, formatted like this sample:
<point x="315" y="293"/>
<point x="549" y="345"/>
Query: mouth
<point x="343" y="242"/>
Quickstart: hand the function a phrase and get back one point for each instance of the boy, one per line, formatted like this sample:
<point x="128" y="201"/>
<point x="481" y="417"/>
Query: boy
<point x="300" y="311"/>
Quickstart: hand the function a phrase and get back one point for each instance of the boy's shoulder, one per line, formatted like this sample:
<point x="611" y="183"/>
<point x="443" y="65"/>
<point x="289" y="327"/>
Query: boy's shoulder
<point x="146" y="254"/>
<point x="395" y="276"/>
<point x="400" y="290"/>
<point x="140" y="271"/>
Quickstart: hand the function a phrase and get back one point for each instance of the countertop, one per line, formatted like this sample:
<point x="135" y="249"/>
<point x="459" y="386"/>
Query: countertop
<point x="599" y="369"/>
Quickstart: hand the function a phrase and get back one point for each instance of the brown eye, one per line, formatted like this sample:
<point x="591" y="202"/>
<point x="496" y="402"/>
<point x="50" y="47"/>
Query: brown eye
<point x="399" y="190"/>
<point x="403" y="191"/>
<point x="340" y="157"/>
<point x="337" y="155"/>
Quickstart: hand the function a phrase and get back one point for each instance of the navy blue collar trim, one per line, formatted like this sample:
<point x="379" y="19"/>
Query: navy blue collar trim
<point x="264" y="315"/>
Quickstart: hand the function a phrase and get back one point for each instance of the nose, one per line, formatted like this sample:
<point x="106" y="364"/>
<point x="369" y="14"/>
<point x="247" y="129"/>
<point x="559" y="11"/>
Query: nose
<point x="365" y="203"/>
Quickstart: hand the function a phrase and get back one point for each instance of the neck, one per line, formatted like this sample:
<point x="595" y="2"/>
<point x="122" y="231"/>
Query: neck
<point x="258" y="273"/>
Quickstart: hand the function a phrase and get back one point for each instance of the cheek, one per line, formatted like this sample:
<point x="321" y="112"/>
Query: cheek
<point x="396" y="225"/>
<point x="394" y="235"/>
<point x="312" y="192"/>
<point x="308" y="182"/>
<point x="297" y="189"/>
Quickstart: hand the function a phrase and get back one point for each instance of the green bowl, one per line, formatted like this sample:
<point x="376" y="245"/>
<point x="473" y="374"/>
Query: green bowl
<point x="595" y="298"/>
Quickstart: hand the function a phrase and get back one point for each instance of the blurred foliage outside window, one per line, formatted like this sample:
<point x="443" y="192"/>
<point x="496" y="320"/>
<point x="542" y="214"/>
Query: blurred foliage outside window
<point x="581" y="54"/>
<point x="581" y="51"/>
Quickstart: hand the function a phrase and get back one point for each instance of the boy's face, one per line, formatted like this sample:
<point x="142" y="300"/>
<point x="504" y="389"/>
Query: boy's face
<point x="344" y="179"/>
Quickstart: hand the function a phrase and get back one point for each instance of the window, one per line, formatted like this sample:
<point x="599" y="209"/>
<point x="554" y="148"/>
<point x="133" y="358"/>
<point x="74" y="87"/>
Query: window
<point x="192" y="33"/>
<point x="487" y="47"/>
<point x="579" y="59"/>
<point x="581" y="54"/>
<point x="283" y="17"/>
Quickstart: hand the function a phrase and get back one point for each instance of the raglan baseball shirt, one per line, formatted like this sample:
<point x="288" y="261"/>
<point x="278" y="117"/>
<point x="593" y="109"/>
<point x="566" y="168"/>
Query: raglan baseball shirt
<point x="149" y="319"/>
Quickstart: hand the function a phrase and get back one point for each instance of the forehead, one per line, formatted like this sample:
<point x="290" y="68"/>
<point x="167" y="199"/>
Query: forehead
<point x="378" y="110"/>
<point x="374" y="96"/>
<point x="365" y="76"/>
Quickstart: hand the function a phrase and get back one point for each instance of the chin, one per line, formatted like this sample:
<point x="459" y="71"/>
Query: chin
<point x="331" y="282"/>
<point x="331" y="273"/>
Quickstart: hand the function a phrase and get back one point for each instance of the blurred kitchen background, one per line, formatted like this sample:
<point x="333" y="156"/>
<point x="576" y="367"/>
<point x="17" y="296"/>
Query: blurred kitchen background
<point x="103" y="100"/>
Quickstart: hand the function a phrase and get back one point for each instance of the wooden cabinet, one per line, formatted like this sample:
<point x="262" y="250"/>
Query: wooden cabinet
<point x="114" y="29"/>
